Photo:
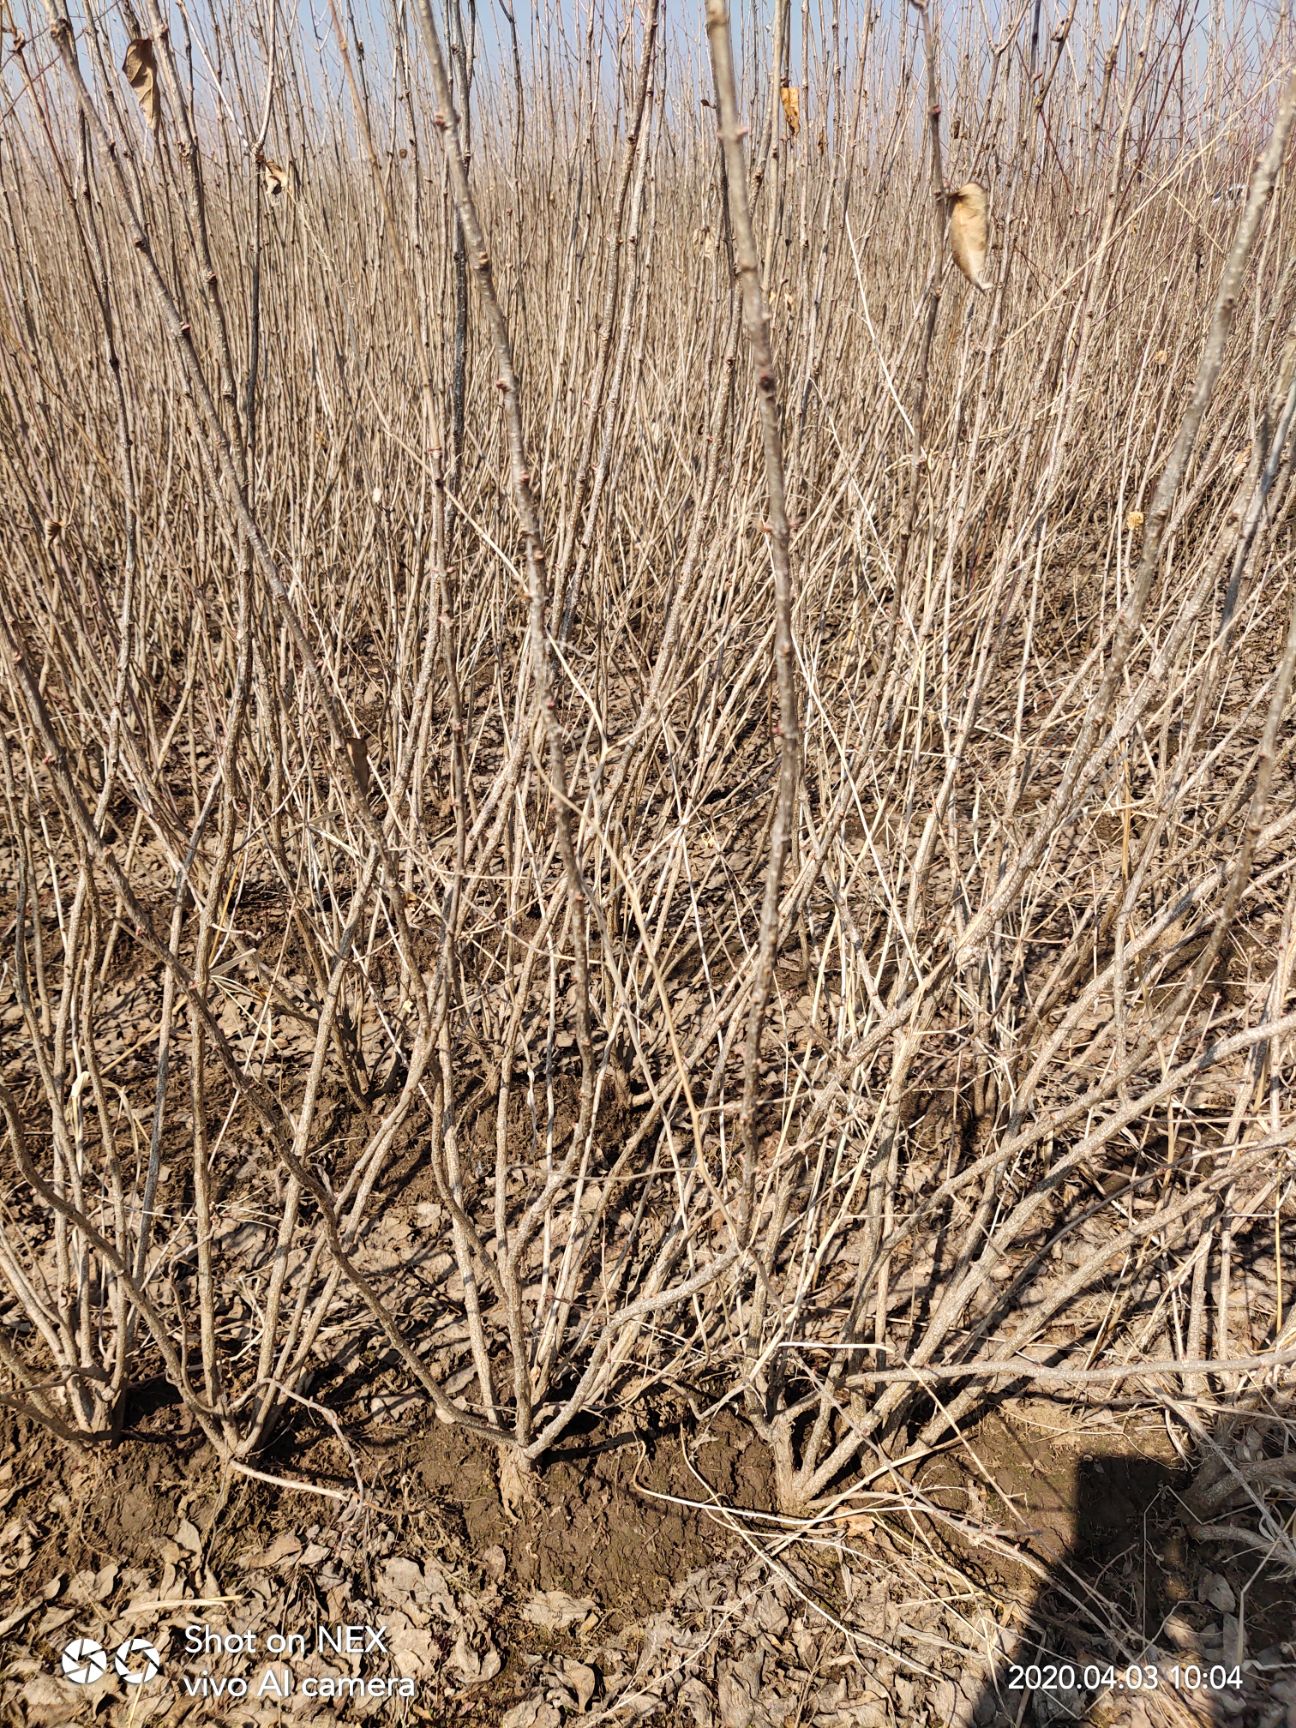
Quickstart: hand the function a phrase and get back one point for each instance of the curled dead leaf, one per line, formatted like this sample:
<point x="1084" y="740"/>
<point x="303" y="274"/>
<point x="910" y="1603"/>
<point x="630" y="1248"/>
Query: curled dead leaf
<point x="970" y="233"/>
<point x="790" y="95"/>
<point x="47" y="1592"/>
<point x="1133" y="520"/>
<point x="274" y="177"/>
<point x="140" y="68"/>
<point x="580" y="1678"/>
<point x="532" y="1713"/>
<point x="473" y="1668"/>
<point x="555" y="1611"/>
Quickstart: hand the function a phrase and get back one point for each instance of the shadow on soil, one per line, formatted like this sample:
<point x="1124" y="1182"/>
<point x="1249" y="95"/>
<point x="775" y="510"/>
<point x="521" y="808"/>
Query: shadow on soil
<point x="1099" y="1626"/>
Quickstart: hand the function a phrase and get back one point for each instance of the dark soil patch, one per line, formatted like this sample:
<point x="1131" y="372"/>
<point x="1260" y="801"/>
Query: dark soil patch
<point x="600" y="1523"/>
<point x="91" y="1532"/>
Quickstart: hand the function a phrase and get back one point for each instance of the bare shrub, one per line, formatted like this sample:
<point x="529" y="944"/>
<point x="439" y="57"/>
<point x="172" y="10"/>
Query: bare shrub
<point x="552" y="852"/>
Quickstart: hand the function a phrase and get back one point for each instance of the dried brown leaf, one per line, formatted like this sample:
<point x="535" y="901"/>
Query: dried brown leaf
<point x="555" y="1611"/>
<point x="970" y="233"/>
<point x="471" y="1667"/>
<point x="47" y="1592"/>
<point x="275" y="177"/>
<point x="45" y="1700"/>
<point x="399" y="1578"/>
<point x="532" y="1713"/>
<point x="581" y="1678"/>
<point x="790" y="95"/>
<point x="88" y="1587"/>
<point x="284" y="1549"/>
<point x="188" y="1537"/>
<point x="140" y="68"/>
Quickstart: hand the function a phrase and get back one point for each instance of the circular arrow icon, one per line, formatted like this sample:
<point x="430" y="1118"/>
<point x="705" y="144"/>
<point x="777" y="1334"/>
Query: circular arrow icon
<point x="85" y="1661"/>
<point x="149" y="1661"/>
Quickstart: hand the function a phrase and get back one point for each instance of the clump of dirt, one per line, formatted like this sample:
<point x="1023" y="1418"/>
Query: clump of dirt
<point x="620" y="1518"/>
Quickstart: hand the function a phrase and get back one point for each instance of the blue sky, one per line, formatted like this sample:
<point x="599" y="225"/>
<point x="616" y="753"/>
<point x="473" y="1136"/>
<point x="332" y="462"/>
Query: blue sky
<point x="1236" y="36"/>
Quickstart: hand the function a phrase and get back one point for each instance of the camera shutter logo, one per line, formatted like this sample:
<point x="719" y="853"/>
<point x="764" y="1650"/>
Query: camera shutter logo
<point x="85" y="1661"/>
<point x="145" y="1665"/>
